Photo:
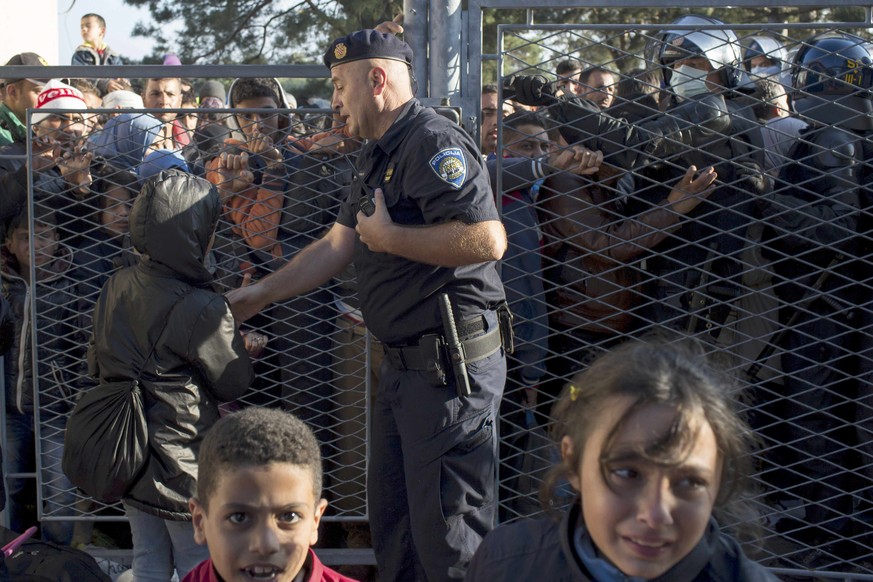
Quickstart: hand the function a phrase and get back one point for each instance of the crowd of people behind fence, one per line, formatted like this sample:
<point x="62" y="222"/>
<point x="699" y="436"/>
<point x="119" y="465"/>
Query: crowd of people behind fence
<point x="721" y="194"/>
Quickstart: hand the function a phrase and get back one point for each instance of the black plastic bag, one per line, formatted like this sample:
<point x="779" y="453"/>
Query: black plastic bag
<point x="106" y="443"/>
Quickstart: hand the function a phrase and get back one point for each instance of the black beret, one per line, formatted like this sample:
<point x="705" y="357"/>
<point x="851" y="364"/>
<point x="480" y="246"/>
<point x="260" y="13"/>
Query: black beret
<point x="367" y="44"/>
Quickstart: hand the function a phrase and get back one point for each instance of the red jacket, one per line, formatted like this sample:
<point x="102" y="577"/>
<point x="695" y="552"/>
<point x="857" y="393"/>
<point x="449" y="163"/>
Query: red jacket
<point x="318" y="572"/>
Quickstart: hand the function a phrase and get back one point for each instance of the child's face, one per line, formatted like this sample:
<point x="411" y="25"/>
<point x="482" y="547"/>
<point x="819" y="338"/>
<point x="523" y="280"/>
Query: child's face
<point x="116" y="208"/>
<point x="261" y="522"/>
<point x="45" y="245"/>
<point x="254" y="124"/>
<point x="527" y="141"/>
<point x="91" y="30"/>
<point x="645" y="517"/>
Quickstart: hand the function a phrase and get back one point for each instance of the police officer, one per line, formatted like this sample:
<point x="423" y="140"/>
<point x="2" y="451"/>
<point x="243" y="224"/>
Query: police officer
<point x="764" y="56"/>
<point x="696" y="274"/>
<point x="420" y="222"/>
<point x="707" y="123"/>
<point x="812" y="220"/>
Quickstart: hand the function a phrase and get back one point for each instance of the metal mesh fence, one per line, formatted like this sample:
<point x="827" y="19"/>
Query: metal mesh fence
<point x="316" y="361"/>
<point x="770" y="270"/>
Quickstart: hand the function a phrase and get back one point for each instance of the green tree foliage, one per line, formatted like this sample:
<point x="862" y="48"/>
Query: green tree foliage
<point x="255" y="31"/>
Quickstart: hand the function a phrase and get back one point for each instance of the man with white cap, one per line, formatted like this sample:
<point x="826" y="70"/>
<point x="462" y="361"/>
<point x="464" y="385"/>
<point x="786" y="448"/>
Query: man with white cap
<point x="59" y="160"/>
<point x="19" y="95"/>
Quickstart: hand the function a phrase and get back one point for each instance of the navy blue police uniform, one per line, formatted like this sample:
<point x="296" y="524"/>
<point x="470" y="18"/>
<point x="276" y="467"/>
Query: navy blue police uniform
<point x="813" y="219"/>
<point x="432" y="476"/>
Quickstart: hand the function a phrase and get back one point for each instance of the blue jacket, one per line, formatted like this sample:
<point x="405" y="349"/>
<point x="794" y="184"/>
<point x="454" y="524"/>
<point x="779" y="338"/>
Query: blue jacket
<point x="521" y="266"/>
<point x="87" y="55"/>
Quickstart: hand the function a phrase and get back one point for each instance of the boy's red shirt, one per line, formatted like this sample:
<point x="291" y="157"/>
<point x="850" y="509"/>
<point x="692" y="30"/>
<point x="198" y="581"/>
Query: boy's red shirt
<point x="204" y="572"/>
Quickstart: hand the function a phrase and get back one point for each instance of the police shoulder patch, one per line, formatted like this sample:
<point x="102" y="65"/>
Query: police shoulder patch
<point x="450" y="166"/>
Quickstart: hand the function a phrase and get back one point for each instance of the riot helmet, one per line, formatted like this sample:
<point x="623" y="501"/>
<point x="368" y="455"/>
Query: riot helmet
<point x="719" y="46"/>
<point x="832" y="76"/>
<point x="764" y="48"/>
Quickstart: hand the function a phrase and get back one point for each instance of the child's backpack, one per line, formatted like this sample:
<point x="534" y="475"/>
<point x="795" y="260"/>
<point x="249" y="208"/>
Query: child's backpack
<point x="36" y="561"/>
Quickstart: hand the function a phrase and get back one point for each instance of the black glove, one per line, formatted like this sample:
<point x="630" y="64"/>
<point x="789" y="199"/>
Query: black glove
<point x="752" y="178"/>
<point x="529" y="90"/>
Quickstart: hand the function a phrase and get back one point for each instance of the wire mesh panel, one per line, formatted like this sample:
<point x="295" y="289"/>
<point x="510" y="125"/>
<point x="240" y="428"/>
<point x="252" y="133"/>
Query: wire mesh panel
<point x="768" y="267"/>
<point x="277" y="197"/>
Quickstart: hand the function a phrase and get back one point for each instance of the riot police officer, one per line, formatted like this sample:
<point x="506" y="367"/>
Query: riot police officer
<point x="811" y="235"/>
<point x="708" y="123"/>
<point x="764" y="56"/>
<point x="695" y="275"/>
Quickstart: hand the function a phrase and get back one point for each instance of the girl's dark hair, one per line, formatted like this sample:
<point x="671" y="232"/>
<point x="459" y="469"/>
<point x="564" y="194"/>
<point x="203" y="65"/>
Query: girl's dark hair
<point x="658" y="371"/>
<point x="106" y="176"/>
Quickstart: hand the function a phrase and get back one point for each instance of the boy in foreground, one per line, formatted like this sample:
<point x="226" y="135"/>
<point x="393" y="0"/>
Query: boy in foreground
<point x="258" y="501"/>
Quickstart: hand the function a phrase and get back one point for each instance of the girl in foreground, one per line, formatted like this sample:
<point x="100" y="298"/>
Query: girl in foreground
<point x="651" y="444"/>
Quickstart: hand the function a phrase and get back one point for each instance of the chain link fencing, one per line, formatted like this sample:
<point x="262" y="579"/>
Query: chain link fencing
<point x="316" y="362"/>
<point x="608" y="262"/>
<point x="771" y="271"/>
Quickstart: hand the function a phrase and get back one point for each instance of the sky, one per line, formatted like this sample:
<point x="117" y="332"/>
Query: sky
<point x="120" y="20"/>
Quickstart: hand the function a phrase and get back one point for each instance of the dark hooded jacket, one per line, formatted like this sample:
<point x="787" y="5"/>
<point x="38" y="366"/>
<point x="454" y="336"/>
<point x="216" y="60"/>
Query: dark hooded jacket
<point x="542" y="549"/>
<point x="200" y="358"/>
<point x="58" y="344"/>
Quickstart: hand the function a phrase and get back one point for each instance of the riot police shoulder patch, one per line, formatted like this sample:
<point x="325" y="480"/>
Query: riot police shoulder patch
<point x="451" y="166"/>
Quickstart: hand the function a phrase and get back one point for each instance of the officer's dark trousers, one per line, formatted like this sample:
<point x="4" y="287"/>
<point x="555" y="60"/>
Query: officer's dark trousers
<point x="432" y="475"/>
<point x="818" y="408"/>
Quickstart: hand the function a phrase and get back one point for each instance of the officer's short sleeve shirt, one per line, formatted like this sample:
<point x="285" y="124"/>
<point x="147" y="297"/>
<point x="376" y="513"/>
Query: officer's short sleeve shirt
<point x="430" y="172"/>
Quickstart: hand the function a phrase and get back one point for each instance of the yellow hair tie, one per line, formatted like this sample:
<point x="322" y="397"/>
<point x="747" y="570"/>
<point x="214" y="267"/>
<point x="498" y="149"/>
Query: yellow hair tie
<point x="574" y="393"/>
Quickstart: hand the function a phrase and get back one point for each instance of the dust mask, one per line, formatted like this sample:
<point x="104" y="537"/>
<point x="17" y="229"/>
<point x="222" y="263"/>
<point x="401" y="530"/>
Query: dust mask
<point x="687" y="81"/>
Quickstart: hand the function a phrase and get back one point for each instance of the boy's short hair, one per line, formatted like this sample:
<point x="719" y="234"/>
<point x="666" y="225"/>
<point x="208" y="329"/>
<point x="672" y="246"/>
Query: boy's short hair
<point x="100" y="20"/>
<point x="253" y="437"/>
<point x="519" y="118"/>
<point x="768" y="90"/>
<point x="568" y="66"/>
<point x="254" y="88"/>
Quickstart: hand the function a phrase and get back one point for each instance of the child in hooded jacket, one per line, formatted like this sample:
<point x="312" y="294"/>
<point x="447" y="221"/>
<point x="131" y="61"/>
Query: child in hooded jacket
<point x="54" y="291"/>
<point x="199" y="359"/>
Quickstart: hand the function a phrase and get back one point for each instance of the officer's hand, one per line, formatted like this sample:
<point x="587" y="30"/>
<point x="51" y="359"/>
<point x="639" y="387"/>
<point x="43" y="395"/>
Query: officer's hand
<point x="692" y="189"/>
<point x="246" y="301"/>
<point x="752" y="178"/>
<point x="577" y="160"/>
<point x="374" y="229"/>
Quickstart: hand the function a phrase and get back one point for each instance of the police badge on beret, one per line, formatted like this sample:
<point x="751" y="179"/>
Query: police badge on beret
<point x="451" y="167"/>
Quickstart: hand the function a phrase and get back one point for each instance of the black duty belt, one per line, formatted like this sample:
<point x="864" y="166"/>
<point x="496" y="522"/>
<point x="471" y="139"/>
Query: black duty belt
<point x="422" y="357"/>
